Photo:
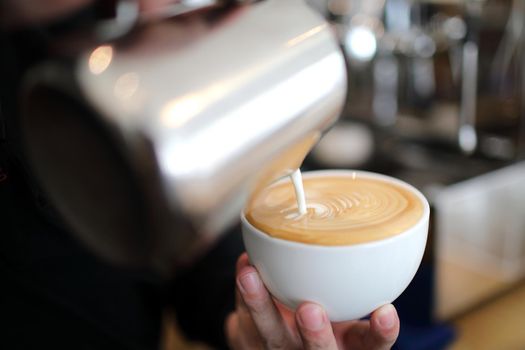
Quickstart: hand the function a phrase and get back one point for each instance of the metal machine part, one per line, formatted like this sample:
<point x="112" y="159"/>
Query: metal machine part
<point x="441" y="84"/>
<point x="150" y="145"/>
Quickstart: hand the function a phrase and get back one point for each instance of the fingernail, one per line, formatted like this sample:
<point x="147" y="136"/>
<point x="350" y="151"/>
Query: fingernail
<point x="249" y="283"/>
<point x="312" y="317"/>
<point x="386" y="317"/>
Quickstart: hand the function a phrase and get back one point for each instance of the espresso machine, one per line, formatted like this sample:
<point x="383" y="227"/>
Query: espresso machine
<point x="436" y="97"/>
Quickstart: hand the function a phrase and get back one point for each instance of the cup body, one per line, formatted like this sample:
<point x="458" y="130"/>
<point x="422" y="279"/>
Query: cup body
<point x="348" y="281"/>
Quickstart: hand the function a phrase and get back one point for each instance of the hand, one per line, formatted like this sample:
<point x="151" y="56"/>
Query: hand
<point x="27" y="12"/>
<point x="259" y="322"/>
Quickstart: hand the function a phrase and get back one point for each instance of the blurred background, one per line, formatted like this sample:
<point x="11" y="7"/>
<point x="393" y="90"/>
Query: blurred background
<point x="436" y="98"/>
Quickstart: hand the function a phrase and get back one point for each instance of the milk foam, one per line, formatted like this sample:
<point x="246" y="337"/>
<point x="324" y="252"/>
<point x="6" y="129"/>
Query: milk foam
<point x="340" y="210"/>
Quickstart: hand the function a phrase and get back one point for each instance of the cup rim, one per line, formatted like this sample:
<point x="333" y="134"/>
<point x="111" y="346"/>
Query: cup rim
<point x="345" y="172"/>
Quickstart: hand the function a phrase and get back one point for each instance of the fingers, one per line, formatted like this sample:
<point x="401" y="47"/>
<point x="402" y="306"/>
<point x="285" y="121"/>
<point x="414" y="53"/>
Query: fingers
<point x="380" y="333"/>
<point x="241" y="333"/>
<point x="315" y="328"/>
<point x="149" y="5"/>
<point x="257" y="302"/>
<point x="248" y="334"/>
<point x="258" y="322"/>
<point x="384" y="328"/>
<point x="241" y="263"/>
<point x="231" y="327"/>
<point x="240" y="330"/>
<point x="23" y="12"/>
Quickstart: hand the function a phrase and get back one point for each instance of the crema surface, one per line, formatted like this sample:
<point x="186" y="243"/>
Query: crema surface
<point x="341" y="210"/>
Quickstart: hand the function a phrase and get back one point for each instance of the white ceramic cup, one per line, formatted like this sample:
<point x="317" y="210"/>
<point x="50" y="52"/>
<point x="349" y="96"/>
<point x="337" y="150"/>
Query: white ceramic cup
<point x="349" y="281"/>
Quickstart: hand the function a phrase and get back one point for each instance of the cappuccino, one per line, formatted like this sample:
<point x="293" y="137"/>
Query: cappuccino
<point x="341" y="209"/>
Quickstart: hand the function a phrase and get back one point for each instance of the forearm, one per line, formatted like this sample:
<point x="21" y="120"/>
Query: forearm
<point x="23" y="12"/>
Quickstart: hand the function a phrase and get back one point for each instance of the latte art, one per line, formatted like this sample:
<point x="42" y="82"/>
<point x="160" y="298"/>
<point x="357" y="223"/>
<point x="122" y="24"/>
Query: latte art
<point x="341" y="210"/>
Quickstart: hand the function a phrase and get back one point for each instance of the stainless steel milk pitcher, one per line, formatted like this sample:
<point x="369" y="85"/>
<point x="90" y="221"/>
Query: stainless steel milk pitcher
<point x="150" y="144"/>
